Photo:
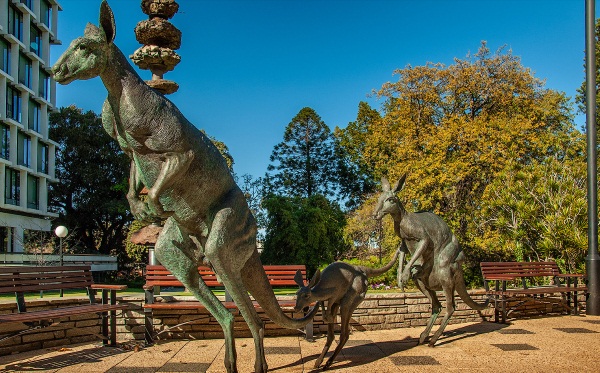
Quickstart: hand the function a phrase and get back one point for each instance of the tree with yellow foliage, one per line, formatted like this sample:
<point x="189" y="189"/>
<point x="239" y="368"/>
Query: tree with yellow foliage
<point x="453" y="129"/>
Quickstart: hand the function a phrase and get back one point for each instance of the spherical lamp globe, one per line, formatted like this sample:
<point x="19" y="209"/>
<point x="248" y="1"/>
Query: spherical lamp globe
<point x="61" y="231"/>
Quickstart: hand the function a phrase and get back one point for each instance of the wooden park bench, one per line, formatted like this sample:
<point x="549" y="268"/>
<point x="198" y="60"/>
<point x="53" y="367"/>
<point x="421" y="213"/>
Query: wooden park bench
<point x="521" y="279"/>
<point x="158" y="276"/>
<point x="22" y="280"/>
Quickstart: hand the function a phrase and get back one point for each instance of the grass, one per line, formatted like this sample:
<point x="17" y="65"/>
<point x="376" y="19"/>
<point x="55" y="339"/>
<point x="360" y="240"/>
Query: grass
<point x="131" y="291"/>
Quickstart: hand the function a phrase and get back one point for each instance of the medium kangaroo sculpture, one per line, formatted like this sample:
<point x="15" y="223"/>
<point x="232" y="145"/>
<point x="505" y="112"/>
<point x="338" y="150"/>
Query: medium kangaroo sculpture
<point x="436" y="256"/>
<point x="189" y="185"/>
<point x="343" y="287"/>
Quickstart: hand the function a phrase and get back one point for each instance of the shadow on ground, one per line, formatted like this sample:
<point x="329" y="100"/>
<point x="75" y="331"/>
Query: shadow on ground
<point x="65" y="359"/>
<point x="367" y="352"/>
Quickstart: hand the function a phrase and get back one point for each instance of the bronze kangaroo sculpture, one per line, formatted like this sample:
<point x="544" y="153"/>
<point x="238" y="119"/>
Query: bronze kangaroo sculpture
<point x="342" y="287"/>
<point x="189" y="185"/>
<point x="436" y="256"/>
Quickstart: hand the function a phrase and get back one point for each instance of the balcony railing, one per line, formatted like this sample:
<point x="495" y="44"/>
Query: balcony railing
<point x="98" y="262"/>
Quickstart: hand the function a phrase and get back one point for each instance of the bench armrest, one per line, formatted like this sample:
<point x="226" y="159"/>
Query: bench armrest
<point x="580" y="275"/>
<point x="108" y="287"/>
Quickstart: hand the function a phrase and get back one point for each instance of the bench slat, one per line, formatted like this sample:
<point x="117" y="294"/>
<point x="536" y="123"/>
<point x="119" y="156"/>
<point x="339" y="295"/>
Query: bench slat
<point x="60" y="312"/>
<point x="506" y="273"/>
<point x="537" y="291"/>
<point x="193" y="305"/>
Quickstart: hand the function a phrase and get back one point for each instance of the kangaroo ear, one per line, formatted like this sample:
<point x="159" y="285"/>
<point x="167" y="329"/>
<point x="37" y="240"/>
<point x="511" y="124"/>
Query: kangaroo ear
<point x="315" y="279"/>
<point x="400" y="184"/>
<point x="299" y="279"/>
<point x="107" y="22"/>
<point x="385" y="184"/>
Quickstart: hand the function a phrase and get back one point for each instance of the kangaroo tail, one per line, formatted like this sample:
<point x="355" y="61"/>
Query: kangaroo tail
<point x="461" y="289"/>
<point x="257" y="284"/>
<point x="372" y="272"/>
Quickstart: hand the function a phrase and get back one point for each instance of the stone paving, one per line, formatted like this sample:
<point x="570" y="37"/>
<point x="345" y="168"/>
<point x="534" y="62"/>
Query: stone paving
<point x="547" y="344"/>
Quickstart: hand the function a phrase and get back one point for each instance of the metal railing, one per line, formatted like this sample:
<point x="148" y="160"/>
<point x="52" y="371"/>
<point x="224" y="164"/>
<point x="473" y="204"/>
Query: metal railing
<point x="98" y="262"/>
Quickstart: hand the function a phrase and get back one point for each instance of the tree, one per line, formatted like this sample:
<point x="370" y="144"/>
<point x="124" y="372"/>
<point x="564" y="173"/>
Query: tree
<point x="454" y="128"/>
<point x="304" y="163"/>
<point x="581" y="92"/>
<point x="92" y="174"/>
<point x="305" y="231"/>
<point x="252" y="189"/>
<point x="356" y="175"/>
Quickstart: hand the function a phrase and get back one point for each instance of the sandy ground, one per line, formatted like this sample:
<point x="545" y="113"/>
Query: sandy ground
<point x="546" y="344"/>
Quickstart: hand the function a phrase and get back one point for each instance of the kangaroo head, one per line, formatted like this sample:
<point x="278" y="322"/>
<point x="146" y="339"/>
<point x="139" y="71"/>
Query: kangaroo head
<point x="304" y="294"/>
<point x="87" y="56"/>
<point x="388" y="202"/>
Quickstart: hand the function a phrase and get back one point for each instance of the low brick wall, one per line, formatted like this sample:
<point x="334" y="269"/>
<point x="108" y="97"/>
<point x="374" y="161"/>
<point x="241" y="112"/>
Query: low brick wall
<point x="75" y="329"/>
<point x="377" y="312"/>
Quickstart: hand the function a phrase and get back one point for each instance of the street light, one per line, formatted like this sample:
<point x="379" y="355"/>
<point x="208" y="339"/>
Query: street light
<point x="61" y="232"/>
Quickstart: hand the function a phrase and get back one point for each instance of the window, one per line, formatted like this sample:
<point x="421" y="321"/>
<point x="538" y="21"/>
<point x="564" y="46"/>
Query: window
<point x="6" y="234"/>
<point x="12" y="187"/>
<point x="24" y="70"/>
<point x="35" y="114"/>
<point x="45" y="12"/>
<point x="44" y="86"/>
<point x="42" y="158"/>
<point x="13" y="104"/>
<point x="33" y="198"/>
<point x="35" y="41"/>
<point x="27" y="3"/>
<point x="15" y="22"/>
<point x="23" y="150"/>
<point x="5" y="58"/>
<point x="4" y="141"/>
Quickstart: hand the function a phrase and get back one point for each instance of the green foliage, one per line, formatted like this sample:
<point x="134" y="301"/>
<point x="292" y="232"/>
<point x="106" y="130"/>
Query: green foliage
<point x="304" y="164"/>
<point x="356" y="175"/>
<point x="457" y="129"/>
<point x="135" y="253"/>
<point x="303" y="231"/>
<point x="92" y="174"/>
<point x="539" y="211"/>
<point x="581" y="91"/>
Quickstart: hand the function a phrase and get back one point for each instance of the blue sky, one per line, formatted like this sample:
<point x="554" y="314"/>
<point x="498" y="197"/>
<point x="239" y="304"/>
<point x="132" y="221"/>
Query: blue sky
<point x="248" y="67"/>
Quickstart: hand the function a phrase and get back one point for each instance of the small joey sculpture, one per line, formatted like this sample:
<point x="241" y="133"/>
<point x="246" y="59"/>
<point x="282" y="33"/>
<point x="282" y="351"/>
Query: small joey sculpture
<point x="341" y="287"/>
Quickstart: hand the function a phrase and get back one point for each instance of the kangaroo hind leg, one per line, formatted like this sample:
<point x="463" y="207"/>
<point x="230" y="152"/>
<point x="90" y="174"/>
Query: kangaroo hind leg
<point x="179" y="254"/>
<point x="228" y="248"/>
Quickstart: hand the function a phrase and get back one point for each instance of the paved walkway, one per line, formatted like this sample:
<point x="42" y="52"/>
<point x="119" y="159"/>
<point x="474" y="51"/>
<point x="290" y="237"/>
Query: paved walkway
<point x="548" y="344"/>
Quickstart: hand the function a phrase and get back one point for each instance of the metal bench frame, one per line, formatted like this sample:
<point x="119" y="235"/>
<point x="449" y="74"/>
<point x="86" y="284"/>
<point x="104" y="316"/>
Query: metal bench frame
<point x="504" y="274"/>
<point x="158" y="276"/>
<point x="26" y="279"/>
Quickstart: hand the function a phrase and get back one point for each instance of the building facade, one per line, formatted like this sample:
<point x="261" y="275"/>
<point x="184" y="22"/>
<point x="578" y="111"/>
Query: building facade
<point x="27" y="96"/>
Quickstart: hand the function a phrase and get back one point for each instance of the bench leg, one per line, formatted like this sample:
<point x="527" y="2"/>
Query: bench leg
<point x="504" y="301"/>
<point x="148" y="318"/>
<point x="113" y="319"/>
<point x="148" y="327"/>
<point x="104" y="319"/>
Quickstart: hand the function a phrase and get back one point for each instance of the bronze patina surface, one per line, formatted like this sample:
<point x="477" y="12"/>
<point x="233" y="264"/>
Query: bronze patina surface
<point x="189" y="186"/>
<point x="436" y="256"/>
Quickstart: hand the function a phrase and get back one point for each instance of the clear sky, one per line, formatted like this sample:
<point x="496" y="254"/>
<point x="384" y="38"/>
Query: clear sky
<point x="249" y="66"/>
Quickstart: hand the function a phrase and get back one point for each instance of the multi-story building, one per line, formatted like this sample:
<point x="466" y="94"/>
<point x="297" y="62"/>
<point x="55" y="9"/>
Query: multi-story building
<point x="27" y="96"/>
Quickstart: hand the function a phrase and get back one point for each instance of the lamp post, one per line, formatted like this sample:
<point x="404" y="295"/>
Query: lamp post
<point x="61" y="232"/>
<point x="593" y="259"/>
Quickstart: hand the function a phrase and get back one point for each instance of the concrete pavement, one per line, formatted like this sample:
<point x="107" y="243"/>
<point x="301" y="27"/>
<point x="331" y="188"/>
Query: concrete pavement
<point x="546" y="344"/>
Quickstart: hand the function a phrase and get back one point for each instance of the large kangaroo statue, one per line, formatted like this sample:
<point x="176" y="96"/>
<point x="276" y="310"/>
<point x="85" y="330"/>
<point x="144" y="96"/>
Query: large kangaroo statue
<point x="189" y="185"/>
<point x="436" y="256"/>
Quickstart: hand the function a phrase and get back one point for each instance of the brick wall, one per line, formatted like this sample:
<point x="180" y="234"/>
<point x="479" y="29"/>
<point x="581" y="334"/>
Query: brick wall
<point x="378" y="311"/>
